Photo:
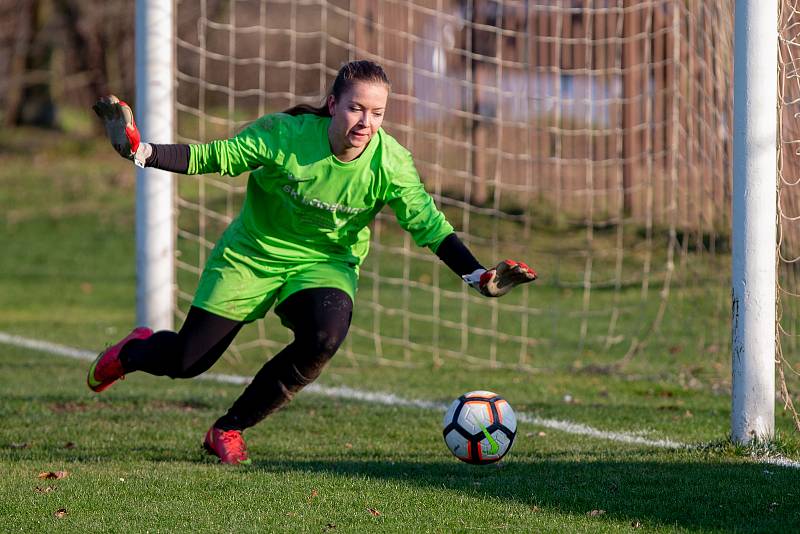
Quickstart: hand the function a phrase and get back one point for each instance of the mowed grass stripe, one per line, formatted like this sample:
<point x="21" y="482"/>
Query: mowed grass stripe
<point x="390" y="399"/>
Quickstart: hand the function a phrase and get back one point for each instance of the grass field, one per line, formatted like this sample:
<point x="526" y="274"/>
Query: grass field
<point x="328" y="463"/>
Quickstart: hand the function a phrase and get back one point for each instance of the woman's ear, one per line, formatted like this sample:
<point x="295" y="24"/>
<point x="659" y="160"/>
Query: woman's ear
<point x="331" y="101"/>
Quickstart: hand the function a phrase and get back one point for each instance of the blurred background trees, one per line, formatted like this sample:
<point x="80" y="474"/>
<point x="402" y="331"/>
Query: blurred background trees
<point x="606" y="95"/>
<point x="54" y="52"/>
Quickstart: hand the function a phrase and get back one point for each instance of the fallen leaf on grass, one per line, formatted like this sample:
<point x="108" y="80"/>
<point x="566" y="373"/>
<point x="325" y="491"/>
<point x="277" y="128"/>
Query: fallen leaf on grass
<point x="535" y="509"/>
<point x="532" y="434"/>
<point x="373" y="511"/>
<point x="46" y="489"/>
<point x="595" y="513"/>
<point x="19" y="446"/>
<point x="314" y="493"/>
<point x="69" y="445"/>
<point x="348" y="445"/>
<point x="53" y="475"/>
<point x="60" y="513"/>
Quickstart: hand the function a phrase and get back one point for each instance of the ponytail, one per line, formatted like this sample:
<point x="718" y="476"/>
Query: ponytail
<point x="308" y="109"/>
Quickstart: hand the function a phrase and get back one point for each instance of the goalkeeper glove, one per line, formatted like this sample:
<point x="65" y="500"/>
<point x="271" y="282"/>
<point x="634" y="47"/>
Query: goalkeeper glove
<point x="121" y="129"/>
<point x="500" y="280"/>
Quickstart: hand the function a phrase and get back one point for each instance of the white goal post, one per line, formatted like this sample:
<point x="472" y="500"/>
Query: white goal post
<point x="754" y="219"/>
<point x="155" y="112"/>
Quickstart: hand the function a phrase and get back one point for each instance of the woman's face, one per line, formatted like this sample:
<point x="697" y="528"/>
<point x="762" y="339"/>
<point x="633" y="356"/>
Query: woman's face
<point x="355" y="117"/>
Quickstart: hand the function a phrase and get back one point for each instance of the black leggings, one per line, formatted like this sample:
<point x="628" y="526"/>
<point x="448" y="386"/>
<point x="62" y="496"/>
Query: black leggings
<point x="319" y="318"/>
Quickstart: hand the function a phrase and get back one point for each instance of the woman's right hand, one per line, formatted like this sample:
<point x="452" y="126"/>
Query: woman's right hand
<point x="121" y="129"/>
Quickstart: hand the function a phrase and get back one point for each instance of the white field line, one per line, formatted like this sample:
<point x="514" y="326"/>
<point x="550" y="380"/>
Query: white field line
<point x="390" y="399"/>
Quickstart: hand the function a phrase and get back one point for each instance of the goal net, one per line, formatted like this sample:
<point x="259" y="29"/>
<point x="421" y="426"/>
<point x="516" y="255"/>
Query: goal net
<point x="788" y="183"/>
<point x="591" y="139"/>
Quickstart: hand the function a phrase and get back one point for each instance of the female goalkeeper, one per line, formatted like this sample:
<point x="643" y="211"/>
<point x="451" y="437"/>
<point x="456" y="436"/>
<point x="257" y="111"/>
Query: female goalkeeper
<point x="318" y="177"/>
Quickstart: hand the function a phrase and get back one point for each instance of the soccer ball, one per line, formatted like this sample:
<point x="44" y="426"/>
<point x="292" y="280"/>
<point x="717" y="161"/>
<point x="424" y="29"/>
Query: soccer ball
<point x="479" y="427"/>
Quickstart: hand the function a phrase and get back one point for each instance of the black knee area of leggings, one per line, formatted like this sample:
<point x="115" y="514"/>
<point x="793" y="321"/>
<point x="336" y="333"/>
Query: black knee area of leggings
<point x="324" y="342"/>
<point x="183" y="363"/>
<point x="320" y="319"/>
<point x="195" y="353"/>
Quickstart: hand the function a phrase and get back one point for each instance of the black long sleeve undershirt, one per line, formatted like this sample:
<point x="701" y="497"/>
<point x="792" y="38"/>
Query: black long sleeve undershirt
<point x="452" y="251"/>
<point x="455" y="254"/>
<point x="172" y="158"/>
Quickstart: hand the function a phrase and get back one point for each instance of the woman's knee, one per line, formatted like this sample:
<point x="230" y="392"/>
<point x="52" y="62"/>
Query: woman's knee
<point x="326" y="342"/>
<point x="189" y="365"/>
<point x="188" y="361"/>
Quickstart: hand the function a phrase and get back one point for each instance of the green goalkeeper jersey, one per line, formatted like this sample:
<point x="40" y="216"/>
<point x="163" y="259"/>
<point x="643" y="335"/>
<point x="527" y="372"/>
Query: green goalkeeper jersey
<point x="304" y="205"/>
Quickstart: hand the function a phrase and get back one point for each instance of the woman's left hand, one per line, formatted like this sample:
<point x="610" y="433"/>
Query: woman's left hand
<point x="501" y="279"/>
<point x="121" y="129"/>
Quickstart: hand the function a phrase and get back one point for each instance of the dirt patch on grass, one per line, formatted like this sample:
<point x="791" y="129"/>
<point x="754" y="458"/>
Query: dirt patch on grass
<point x="77" y="406"/>
<point x="154" y="405"/>
<point x="183" y="406"/>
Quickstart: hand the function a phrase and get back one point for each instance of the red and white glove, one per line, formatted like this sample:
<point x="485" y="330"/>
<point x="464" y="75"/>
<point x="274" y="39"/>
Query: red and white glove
<point x="500" y="280"/>
<point x="121" y="129"/>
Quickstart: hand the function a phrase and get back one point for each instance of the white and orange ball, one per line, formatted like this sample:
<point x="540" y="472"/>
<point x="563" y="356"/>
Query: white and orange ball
<point x="479" y="427"/>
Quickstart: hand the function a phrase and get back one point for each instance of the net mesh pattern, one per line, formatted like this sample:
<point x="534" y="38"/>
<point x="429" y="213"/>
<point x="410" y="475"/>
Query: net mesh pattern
<point x="788" y="184"/>
<point x="591" y="139"/>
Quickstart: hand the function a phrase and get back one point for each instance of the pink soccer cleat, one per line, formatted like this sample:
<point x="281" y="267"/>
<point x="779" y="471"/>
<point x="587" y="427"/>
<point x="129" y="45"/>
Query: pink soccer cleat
<point x="107" y="368"/>
<point x="228" y="445"/>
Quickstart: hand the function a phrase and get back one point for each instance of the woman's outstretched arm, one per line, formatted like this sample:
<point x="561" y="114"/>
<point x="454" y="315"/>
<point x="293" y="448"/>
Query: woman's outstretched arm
<point x="250" y="149"/>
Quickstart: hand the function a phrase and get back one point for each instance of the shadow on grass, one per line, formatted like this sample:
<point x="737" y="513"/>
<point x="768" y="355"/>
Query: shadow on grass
<point x="701" y="495"/>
